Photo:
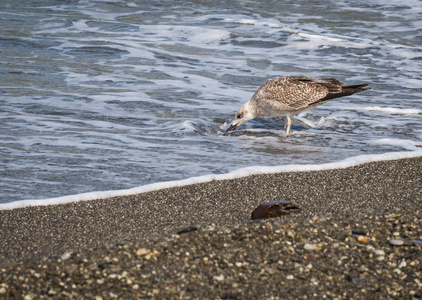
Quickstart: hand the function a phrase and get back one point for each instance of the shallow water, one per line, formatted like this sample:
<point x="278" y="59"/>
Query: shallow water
<point x="99" y="95"/>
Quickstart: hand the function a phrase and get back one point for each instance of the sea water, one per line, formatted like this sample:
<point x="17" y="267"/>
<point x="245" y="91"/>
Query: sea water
<point x="111" y="95"/>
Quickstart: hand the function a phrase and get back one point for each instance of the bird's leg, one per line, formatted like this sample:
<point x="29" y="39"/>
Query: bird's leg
<point x="287" y="125"/>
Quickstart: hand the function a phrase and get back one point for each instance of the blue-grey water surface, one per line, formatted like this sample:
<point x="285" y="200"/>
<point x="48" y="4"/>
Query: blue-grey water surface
<point x="99" y="95"/>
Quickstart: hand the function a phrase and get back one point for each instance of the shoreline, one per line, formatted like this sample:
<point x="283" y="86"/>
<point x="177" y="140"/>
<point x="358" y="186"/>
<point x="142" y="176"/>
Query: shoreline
<point x="236" y="174"/>
<point x="127" y="246"/>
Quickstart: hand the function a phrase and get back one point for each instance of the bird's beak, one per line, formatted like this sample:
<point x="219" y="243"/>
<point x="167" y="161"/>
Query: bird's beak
<point x="232" y="127"/>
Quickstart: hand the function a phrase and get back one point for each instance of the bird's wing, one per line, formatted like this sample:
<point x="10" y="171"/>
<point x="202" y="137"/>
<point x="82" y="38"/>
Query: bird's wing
<point x="296" y="92"/>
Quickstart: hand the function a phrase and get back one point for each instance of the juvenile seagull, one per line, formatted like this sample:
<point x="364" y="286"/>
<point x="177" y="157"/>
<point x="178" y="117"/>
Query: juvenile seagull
<point x="290" y="95"/>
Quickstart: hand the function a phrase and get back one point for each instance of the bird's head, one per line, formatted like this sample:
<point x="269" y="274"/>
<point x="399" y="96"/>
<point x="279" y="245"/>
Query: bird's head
<point x="243" y="115"/>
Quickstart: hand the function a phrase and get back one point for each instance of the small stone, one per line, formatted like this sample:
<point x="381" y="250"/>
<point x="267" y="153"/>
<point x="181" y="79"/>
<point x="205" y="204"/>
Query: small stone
<point x="142" y="252"/>
<point x="219" y="277"/>
<point x="290" y="277"/>
<point x="417" y="243"/>
<point x="398" y="271"/>
<point x="379" y="252"/>
<point x="187" y="229"/>
<point x="2" y="290"/>
<point x="65" y="256"/>
<point x="362" y="239"/>
<point x="135" y="286"/>
<point x="309" y="247"/>
<point x="358" y="231"/>
<point x="364" y="268"/>
<point x="369" y="248"/>
<point x="402" y="264"/>
<point x="396" y="242"/>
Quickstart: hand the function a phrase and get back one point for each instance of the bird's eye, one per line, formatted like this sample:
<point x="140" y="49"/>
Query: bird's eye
<point x="239" y="116"/>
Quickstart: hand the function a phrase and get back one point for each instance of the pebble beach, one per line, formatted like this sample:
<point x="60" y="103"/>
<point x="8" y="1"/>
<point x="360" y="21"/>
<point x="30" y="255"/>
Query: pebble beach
<point x="358" y="236"/>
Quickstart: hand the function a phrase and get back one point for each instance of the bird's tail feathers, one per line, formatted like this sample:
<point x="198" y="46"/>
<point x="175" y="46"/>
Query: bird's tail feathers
<point x="347" y="91"/>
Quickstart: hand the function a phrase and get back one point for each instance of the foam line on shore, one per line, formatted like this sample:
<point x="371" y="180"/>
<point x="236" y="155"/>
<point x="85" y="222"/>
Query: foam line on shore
<point x="349" y="162"/>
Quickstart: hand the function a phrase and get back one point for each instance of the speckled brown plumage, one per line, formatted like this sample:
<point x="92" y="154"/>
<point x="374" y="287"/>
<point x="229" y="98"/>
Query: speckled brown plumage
<point x="289" y="95"/>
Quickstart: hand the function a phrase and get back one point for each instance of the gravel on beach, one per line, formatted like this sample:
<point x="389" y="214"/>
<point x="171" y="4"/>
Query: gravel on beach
<point x="358" y="236"/>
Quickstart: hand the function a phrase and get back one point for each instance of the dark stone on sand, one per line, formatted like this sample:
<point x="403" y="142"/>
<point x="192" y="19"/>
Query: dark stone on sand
<point x="187" y="229"/>
<point x="358" y="231"/>
<point x="274" y="209"/>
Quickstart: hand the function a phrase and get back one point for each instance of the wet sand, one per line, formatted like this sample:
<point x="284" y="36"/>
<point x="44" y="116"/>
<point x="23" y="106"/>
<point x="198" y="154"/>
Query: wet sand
<point x="371" y="197"/>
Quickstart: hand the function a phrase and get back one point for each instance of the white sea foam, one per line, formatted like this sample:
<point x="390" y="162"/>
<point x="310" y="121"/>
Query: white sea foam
<point x="394" y="111"/>
<point x="406" y="144"/>
<point x="385" y="110"/>
<point x="349" y="162"/>
<point x="247" y="21"/>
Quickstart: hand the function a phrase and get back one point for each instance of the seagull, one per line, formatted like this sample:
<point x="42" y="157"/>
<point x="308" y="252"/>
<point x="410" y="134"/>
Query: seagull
<point x="290" y="95"/>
